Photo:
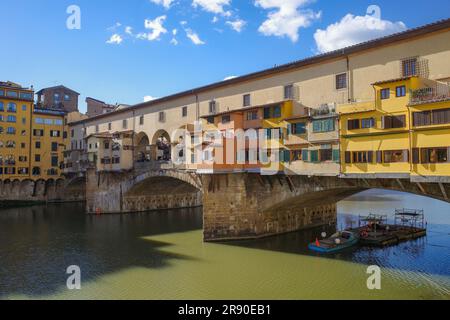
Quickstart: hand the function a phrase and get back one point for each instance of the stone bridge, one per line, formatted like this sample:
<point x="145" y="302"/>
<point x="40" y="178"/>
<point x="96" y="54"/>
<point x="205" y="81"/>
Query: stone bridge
<point x="239" y="205"/>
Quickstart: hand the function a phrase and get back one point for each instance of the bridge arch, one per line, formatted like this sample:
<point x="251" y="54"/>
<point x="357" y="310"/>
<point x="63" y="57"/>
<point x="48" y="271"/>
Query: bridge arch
<point x="142" y="147"/>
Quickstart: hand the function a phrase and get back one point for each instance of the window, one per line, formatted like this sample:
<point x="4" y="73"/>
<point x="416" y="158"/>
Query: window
<point x="24" y="120"/>
<point x="210" y="120"/>
<point x="58" y="122"/>
<point x="162" y="116"/>
<point x="23" y="159"/>
<point x="48" y="121"/>
<point x="12" y="107"/>
<point x="54" y="146"/>
<point x="394" y="156"/>
<point x="392" y="122"/>
<point x="56" y="98"/>
<point x="11" y="119"/>
<point x="368" y="123"/>
<point x="325" y="125"/>
<point x="37" y="158"/>
<point x="400" y="91"/>
<point x="409" y="67"/>
<point x="362" y="157"/>
<point x="184" y="112"/>
<point x="299" y="128"/>
<point x="38" y="132"/>
<point x="54" y="161"/>
<point x="26" y="95"/>
<point x="296" y="155"/>
<point x="125" y="124"/>
<point x="55" y="133"/>
<point x="36" y="171"/>
<point x="10" y="144"/>
<point x="2" y="106"/>
<point x="422" y="118"/>
<point x="226" y="119"/>
<point x="72" y="133"/>
<point x="441" y="116"/>
<point x="326" y="154"/>
<point x="314" y="154"/>
<point x="246" y="100"/>
<point x="23" y="145"/>
<point x="341" y="81"/>
<point x="37" y="144"/>
<point x="252" y="115"/>
<point x="66" y="97"/>
<point x="277" y="112"/>
<point x="11" y="130"/>
<point x="385" y="94"/>
<point x="289" y="92"/>
<point x="22" y="171"/>
<point x="2" y="92"/>
<point x="12" y="94"/>
<point x="212" y="107"/>
<point x="24" y="107"/>
<point x="106" y="145"/>
<point x="435" y="155"/>
<point x="267" y="113"/>
<point x="353" y="124"/>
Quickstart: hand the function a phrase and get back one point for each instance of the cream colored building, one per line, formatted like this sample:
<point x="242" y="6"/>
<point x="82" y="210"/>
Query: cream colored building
<point x="316" y="84"/>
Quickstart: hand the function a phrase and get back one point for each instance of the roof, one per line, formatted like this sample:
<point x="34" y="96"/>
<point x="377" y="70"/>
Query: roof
<point x="13" y="85"/>
<point x="411" y="33"/>
<point x="393" y="80"/>
<point x="56" y="87"/>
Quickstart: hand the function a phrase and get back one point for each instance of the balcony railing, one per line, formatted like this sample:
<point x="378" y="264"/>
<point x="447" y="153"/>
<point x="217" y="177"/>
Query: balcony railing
<point x="437" y="92"/>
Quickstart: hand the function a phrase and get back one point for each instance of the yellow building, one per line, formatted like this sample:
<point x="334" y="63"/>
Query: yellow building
<point x="395" y="136"/>
<point x="48" y="143"/>
<point x="32" y="140"/>
<point x="16" y="107"/>
<point x="430" y="114"/>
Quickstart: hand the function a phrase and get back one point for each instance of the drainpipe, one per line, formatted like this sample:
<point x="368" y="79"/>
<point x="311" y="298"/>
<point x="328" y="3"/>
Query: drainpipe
<point x="350" y="81"/>
<point x="133" y="136"/>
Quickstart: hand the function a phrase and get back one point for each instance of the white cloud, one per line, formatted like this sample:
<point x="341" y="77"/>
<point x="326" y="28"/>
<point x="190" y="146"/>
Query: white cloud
<point x="194" y="37"/>
<point x="165" y="3"/>
<point x="174" y="41"/>
<point x="237" y="25"/>
<point x="287" y="18"/>
<point x="129" y="30"/>
<point x="115" y="39"/>
<point x="114" y="27"/>
<point x="215" y="19"/>
<point x="213" y="6"/>
<point x="156" y="29"/>
<point x="183" y="23"/>
<point x="354" y="29"/>
<point x="149" y="98"/>
<point x="174" y="32"/>
<point x="229" y="78"/>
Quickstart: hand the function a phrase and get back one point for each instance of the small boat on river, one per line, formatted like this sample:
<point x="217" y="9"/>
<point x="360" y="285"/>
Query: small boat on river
<point x="337" y="242"/>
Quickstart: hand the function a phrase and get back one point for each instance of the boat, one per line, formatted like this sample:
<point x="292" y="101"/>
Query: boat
<point x="335" y="243"/>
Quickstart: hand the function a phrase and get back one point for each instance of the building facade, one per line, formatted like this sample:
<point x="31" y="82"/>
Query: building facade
<point x="303" y="101"/>
<point x="32" y="139"/>
<point x="59" y="98"/>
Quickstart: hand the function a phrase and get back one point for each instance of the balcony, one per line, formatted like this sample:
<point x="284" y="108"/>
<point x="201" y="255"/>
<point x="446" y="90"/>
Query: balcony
<point x="325" y="110"/>
<point x="435" y="93"/>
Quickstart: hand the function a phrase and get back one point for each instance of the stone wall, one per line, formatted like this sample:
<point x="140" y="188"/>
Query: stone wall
<point x="43" y="191"/>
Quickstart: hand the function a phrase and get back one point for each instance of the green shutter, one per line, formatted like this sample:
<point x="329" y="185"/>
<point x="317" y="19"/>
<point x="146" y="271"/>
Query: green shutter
<point x="336" y="155"/>
<point x="305" y="155"/>
<point x="314" y="155"/>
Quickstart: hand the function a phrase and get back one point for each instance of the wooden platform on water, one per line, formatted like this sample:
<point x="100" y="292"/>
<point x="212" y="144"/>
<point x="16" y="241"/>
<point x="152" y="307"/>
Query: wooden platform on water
<point x="392" y="235"/>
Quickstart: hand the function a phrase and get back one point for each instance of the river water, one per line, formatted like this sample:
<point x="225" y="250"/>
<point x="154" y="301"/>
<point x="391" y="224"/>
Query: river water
<point x="160" y="255"/>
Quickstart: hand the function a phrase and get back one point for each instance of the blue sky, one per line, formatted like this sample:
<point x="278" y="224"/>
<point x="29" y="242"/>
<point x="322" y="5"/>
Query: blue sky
<point x="214" y="39"/>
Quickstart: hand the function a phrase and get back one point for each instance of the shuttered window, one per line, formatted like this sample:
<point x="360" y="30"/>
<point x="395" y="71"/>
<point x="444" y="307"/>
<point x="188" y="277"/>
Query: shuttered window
<point x="441" y="116"/>
<point x="348" y="157"/>
<point x="379" y="157"/>
<point x="416" y="155"/>
<point x="353" y="124"/>
<point x="370" y="156"/>
<point x="392" y="122"/>
<point x="326" y="155"/>
<point x="422" y="118"/>
<point x="394" y="156"/>
<point x="305" y="155"/>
